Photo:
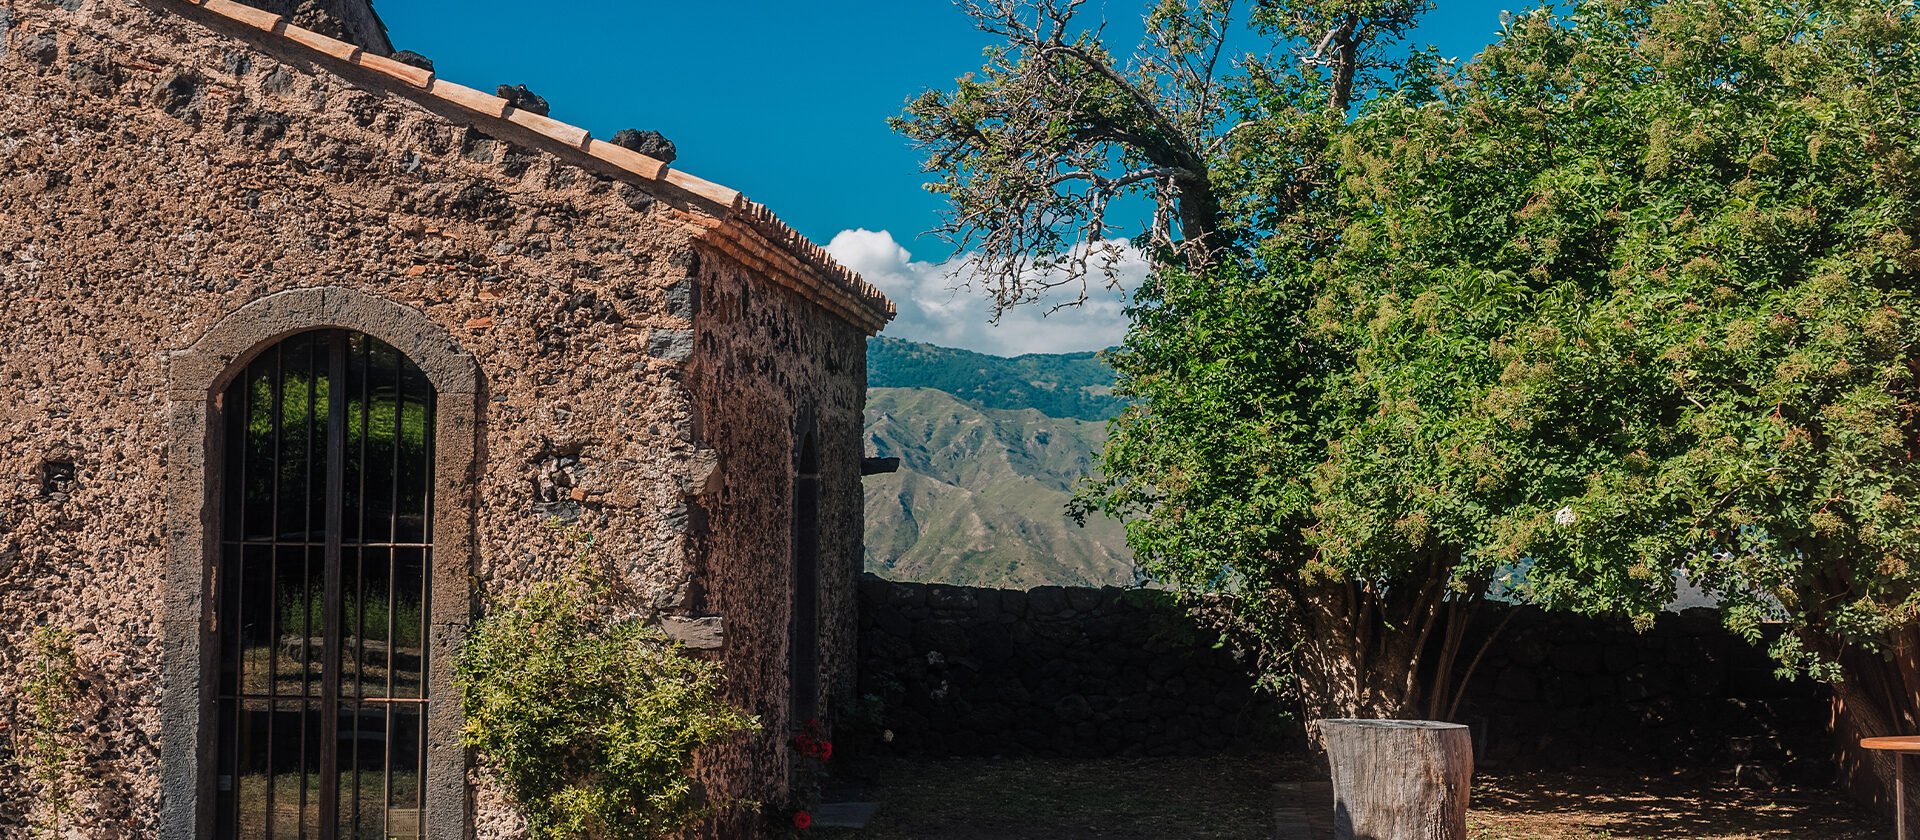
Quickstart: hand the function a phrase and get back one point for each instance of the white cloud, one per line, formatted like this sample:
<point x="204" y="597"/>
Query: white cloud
<point x="937" y="306"/>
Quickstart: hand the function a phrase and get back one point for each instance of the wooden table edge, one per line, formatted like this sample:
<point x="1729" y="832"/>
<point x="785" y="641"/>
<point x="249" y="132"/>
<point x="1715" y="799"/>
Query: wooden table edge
<point x="1892" y="743"/>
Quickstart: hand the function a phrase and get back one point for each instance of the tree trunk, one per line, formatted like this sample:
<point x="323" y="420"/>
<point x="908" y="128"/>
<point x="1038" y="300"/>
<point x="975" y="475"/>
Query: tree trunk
<point x="1365" y="656"/>
<point x="1398" y="779"/>
<point x="1876" y="697"/>
<point x="1351" y="663"/>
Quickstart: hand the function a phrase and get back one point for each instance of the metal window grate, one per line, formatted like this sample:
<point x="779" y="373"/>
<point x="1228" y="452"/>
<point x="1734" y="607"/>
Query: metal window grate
<point x="322" y="610"/>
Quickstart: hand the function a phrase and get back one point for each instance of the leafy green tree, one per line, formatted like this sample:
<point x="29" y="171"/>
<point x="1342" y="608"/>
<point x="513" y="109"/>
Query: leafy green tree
<point x="1668" y="245"/>
<point x="1633" y="294"/>
<point x="1629" y="294"/>
<point x="1214" y="469"/>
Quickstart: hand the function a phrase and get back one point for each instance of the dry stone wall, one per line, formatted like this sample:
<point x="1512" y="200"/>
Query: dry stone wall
<point x="1053" y="671"/>
<point x="1563" y="691"/>
<point x="1074" y="671"/>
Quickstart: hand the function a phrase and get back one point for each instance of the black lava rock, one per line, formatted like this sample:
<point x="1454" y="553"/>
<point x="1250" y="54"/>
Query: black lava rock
<point x="523" y="99"/>
<point x="653" y="144"/>
<point x="414" y="59"/>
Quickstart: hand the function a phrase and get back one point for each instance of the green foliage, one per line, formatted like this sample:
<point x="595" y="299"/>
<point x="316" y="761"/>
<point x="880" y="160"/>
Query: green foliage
<point x="591" y="719"/>
<point x="1636" y="292"/>
<point x="375" y="613"/>
<point x="1630" y="293"/>
<point x="1068" y="385"/>
<point x="46" y="752"/>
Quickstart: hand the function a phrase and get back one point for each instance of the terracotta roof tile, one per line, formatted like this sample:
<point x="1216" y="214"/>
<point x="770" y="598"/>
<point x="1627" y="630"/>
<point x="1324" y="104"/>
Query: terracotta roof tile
<point x="704" y="188"/>
<point x="466" y="97"/>
<point x="747" y="231"/>
<point x="549" y="128"/>
<point x="404" y="72"/>
<point x="331" y="47"/>
<point x="626" y="159"/>
<point x="256" y="18"/>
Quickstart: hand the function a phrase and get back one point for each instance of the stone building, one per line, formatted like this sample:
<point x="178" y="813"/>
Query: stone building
<point x="296" y="330"/>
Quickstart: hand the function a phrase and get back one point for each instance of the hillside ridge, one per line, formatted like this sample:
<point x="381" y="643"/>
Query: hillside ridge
<point x="981" y="495"/>
<point x="1066" y="385"/>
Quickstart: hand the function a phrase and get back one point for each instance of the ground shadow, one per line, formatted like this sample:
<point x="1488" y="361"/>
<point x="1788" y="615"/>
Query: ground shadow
<point x="1585" y="804"/>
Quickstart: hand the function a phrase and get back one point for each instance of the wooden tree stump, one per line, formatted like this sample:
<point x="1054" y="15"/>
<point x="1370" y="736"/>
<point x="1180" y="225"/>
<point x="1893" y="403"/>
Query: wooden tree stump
<point x="1398" y="779"/>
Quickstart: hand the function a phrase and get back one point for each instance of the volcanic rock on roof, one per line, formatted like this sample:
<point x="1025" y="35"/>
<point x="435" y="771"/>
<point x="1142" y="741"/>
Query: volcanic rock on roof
<point x="653" y="144"/>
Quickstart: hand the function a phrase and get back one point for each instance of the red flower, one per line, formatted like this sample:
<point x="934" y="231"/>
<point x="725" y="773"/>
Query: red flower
<point x="802" y="820"/>
<point x="825" y="752"/>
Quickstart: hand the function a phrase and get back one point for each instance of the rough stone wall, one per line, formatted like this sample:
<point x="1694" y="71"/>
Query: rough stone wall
<point x="155" y="175"/>
<point x="1052" y="670"/>
<point x="1561" y="690"/>
<point x="765" y="362"/>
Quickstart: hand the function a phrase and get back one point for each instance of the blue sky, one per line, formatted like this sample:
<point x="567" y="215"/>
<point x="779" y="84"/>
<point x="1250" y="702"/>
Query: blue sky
<point x="787" y="102"/>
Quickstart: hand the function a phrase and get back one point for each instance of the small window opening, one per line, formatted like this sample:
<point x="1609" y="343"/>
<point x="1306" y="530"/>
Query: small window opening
<point x="57" y="479"/>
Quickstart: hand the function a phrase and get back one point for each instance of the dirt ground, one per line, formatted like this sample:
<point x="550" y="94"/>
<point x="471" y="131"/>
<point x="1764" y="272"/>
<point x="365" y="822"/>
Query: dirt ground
<point x="1570" y="806"/>
<point x="1234" y="797"/>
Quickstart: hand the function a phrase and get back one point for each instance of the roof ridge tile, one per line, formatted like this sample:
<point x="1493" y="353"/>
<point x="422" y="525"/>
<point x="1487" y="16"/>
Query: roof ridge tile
<point x="627" y="159"/>
<point x="471" y="99"/>
<point x="548" y="127"/>
<point x="386" y="66"/>
<point x="260" y="19"/>
<point x="333" y="47"/>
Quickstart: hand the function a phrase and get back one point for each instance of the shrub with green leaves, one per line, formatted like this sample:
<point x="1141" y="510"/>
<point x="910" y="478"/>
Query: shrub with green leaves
<point x="591" y="719"/>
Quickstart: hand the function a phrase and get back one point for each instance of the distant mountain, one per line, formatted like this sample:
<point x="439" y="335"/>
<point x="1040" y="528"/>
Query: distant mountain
<point x="1067" y="385"/>
<point x="981" y="494"/>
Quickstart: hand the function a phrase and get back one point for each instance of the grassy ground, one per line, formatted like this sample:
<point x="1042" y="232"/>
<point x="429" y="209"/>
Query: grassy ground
<point x="1233" y="797"/>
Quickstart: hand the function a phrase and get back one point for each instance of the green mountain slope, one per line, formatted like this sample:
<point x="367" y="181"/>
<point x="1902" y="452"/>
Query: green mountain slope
<point x="1076" y="385"/>
<point x="981" y="495"/>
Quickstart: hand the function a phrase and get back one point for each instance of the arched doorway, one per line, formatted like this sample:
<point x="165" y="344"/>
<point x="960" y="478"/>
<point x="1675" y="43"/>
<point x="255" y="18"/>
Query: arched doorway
<point x="323" y="582"/>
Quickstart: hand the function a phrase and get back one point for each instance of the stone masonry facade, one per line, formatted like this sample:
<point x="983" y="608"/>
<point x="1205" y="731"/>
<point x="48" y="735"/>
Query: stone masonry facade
<point x="640" y="352"/>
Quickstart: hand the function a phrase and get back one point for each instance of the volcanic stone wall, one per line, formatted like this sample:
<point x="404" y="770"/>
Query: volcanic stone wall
<point x="1072" y="671"/>
<point x="1561" y="690"/>
<point x="156" y="175"/>
<point x="768" y="369"/>
<point x="1053" y="671"/>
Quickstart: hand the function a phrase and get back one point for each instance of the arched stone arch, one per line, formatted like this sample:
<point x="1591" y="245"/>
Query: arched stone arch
<point x="195" y="378"/>
<point x="205" y="367"/>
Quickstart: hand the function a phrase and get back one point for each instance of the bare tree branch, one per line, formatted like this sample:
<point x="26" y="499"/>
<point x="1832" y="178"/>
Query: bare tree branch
<point x="1035" y="149"/>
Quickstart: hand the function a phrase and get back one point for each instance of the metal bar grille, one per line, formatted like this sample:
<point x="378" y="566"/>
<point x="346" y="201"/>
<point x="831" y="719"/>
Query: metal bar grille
<point x="322" y="612"/>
